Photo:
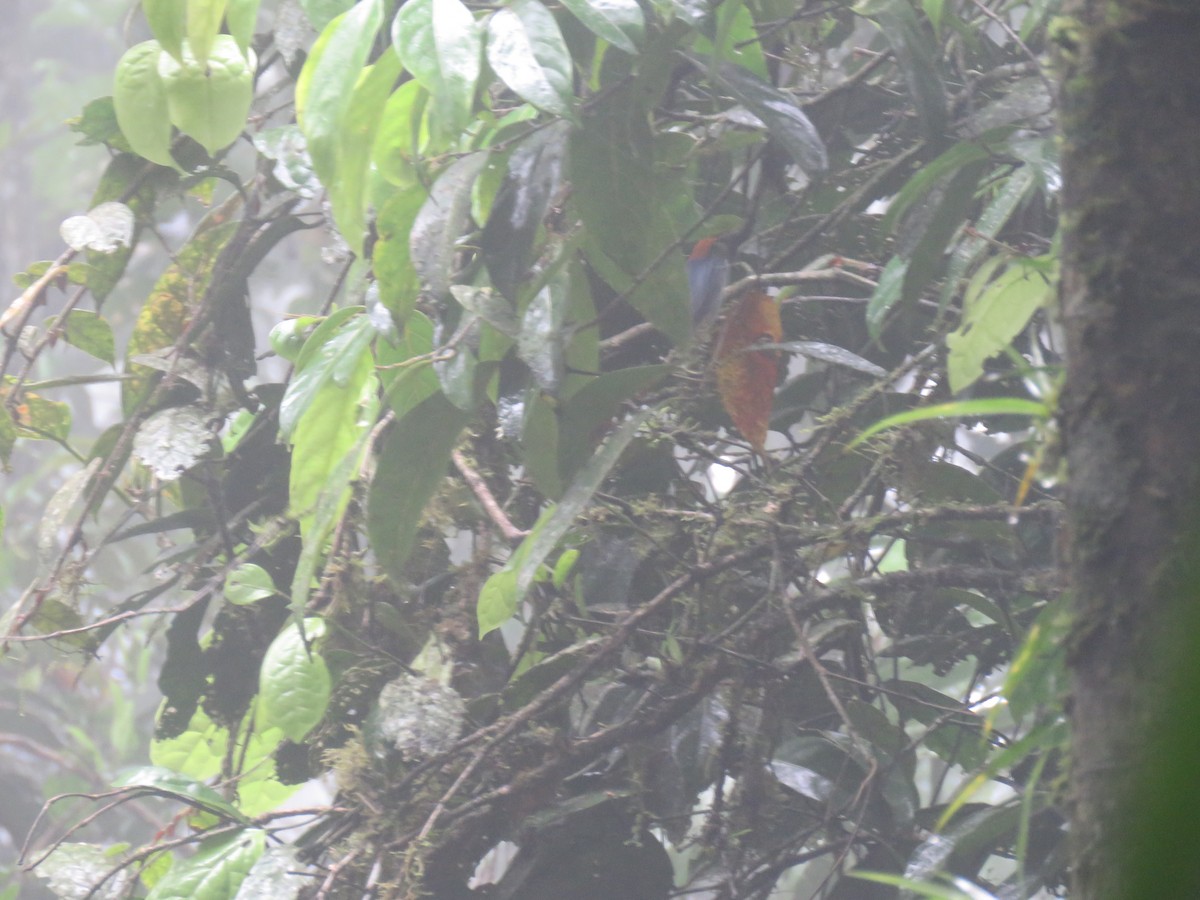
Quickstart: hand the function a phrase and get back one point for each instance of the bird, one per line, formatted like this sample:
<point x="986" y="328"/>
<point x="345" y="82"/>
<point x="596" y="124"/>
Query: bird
<point x="708" y="276"/>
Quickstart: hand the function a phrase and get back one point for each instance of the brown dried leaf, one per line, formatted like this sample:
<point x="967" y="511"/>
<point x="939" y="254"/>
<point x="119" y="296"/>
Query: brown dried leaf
<point x="746" y="377"/>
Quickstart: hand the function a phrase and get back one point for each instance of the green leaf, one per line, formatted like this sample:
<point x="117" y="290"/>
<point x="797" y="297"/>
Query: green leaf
<point x="337" y="344"/>
<point x="400" y="138"/>
<point x="408" y="383"/>
<point x="208" y="97"/>
<point x="215" y="872"/>
<point x="993" y="320"/>
<point x="340" y="413"/>
<point x="433" y="240"/>
<point x="620" y="22"/>
<point x="242" y="16"/>
<point x="917" y="56"/>
<point x="930" y="229"/>
<point x="503" y="591"/>
<point x="168" y="21"/>
<point x="294" y="683"/>
<point x="140" y="100"/>
<point x="355" y="139"/>
<point x="203" y="23"/>
<point x="531" y="180"/>
<point x="539" y="444"/>
<point x="737" y="39"/>
<point x="97" y="124"/>
<point x="989" y="406"/>
<point x="888" y="291"/>
<point x="327" y="81"/>
<point x="198" y="751"/>
<point x="540" y="343"/>
<point x="441" y="44"/>
<point x="248" y="584"/>
<point x="165" y="782"/>
<point x="526" y="50"/>
<point x="391" y="257"/>
<point x="778" y="110"/>
<point x="591" y="409"/>
<point x="90" y="333"/>
<point x="411" y="466"/>
<point x="994" y="217"/>
<point x="623" y="198"/>
<point x="961" y="154"/>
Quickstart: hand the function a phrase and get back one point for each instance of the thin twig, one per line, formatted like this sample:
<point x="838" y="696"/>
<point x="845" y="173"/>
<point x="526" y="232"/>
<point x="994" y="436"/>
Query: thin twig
<point x="486" y="499"/>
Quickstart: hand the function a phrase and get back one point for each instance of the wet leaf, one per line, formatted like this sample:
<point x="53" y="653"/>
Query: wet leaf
<point x="531" y="180"/>
<point x="327" y="81"/>
<point x="917" y="57"/>
<point x="433" y="241"/>
<point x="620" y="22"/>
<point x="779" y="112"/>
<point x="526" y="50"/>
<point x="440" y="43"/>
<point x="173" y="440"/>
<point x="540" y="343"/>
<point x="105" y="228"/>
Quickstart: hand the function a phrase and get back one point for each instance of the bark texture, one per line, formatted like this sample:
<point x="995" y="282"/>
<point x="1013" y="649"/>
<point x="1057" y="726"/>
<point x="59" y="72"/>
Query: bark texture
<point x="1131" y="407"/>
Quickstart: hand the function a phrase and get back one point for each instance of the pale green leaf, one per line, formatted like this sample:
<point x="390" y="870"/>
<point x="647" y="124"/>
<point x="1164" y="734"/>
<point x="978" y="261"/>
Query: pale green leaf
<point x="248" y="584"/>
<point x="335" y="344"/>
<point x="620" y="22"/>
<point x="526" y="50"/>
<point x="987" y="406"/>
<point x="993" y="320"/>
<point x="242" y="16"/>
<point x="441" y="44"/>
<point x="355" y="139"/>
<point x="140" y="100"/>
<point x="203" y="23"/>
<point x="208" y="98"/>
<point x="294" y="683"/>
<point x="327" y="81"/>
<point x="168" y="22"/>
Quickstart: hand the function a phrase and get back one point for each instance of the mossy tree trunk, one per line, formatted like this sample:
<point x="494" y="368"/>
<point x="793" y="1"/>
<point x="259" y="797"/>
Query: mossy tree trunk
<point x="1131" y="407"/>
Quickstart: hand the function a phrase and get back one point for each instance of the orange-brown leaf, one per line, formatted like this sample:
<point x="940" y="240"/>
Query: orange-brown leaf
<point x="746" y="377"/>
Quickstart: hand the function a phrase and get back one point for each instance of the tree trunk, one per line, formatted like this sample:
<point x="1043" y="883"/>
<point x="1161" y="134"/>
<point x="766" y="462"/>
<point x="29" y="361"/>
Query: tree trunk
<point x="1131" y="406"/>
